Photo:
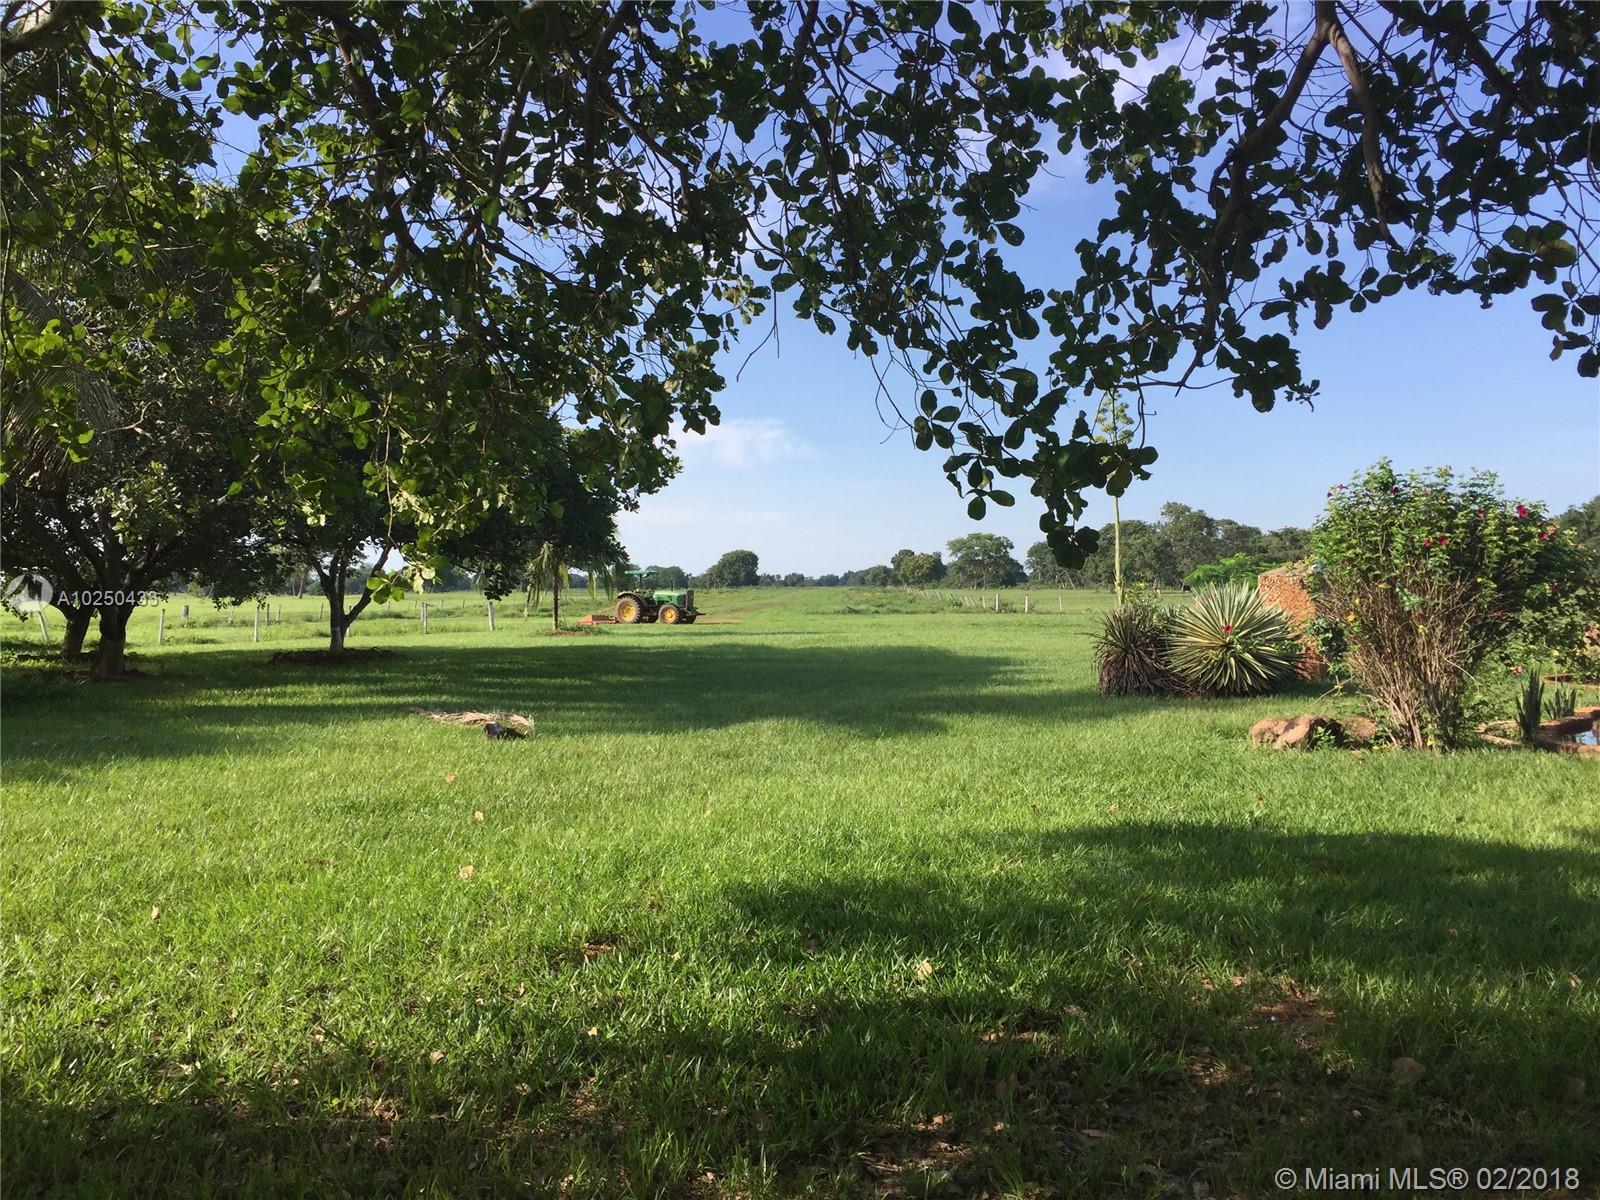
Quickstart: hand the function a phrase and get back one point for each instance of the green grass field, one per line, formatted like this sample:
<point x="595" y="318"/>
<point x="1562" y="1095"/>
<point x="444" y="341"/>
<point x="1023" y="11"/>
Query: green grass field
<point x="832" y="894"/>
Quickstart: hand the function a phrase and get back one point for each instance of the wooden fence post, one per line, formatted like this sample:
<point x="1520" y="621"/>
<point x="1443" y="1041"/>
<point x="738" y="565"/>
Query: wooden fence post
<point x="1027" y="602"/>
<point x="424" y="604"/>
<point x="256" y="637"/>
<point x="997" y="602"/>
<point x="161" y="626"/>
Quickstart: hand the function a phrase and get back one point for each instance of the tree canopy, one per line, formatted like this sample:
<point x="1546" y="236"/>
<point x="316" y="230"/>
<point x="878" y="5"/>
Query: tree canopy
<point x="736" y="568"/>
<point x="983" y="560"/>
<point x="461" y="229"/>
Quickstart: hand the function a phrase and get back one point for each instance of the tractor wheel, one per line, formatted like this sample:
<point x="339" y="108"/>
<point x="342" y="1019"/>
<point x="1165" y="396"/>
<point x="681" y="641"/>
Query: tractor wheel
<point x="629" y="611"/>
<point x="670" y="614"/>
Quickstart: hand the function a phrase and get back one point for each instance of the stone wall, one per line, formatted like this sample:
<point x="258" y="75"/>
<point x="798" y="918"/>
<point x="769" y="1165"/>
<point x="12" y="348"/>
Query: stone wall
<point x="1285" y="588"/>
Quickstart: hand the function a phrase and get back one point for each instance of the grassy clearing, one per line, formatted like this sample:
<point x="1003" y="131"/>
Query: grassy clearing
<point x="798" y="900"/>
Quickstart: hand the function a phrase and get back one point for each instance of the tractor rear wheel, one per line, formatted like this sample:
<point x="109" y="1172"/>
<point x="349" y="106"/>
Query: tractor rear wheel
<point x="670" y="614"/>
<point x="629" y="611"/>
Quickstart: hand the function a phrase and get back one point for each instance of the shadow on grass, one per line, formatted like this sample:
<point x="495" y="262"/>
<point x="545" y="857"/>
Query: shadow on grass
<point x="228" y="701"/>
<point x="1121" y="1010"/>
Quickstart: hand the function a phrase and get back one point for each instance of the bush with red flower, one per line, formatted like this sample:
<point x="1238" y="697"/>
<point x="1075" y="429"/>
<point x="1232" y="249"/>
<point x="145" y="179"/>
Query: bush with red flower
<point x="1429" y="576"/>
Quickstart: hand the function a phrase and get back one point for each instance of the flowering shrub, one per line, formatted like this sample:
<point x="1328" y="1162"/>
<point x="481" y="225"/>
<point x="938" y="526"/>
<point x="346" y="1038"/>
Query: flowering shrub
<point x="1427" y="576"/>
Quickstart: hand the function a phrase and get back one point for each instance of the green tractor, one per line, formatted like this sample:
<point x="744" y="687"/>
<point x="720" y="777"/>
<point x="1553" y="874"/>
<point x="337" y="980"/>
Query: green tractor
<point x="669" y="607"/>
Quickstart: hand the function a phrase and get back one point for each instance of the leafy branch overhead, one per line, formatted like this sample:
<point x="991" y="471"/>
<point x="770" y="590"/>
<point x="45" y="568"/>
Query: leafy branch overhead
<point x="445" y="219"/>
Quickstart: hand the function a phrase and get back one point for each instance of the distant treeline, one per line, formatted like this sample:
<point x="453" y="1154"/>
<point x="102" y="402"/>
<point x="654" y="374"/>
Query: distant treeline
<point x="1185" y="545"/>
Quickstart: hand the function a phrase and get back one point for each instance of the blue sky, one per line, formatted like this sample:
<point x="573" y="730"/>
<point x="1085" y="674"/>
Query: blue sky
<point x="804" y="473"/>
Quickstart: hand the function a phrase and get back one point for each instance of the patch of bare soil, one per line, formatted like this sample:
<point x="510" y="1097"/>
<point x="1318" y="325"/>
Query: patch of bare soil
<point x="1298" y="1014"/>
<point x="328" y="658"/>
<point x="920" y="1160"/>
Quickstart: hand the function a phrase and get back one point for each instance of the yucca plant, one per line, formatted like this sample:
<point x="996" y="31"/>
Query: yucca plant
<point x="1131" y="650"/>
<point x="1231" y="643"/>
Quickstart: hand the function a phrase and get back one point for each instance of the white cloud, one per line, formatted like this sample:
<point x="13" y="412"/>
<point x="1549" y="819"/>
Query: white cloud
<point x="751" y="442"/>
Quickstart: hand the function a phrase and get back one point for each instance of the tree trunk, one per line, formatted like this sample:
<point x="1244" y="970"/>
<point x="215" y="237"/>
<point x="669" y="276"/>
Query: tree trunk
<point x="338" y="619"/>
<point x="77" y="629"/>
<point x="555" y="600"/>
<point x="111" y="661"/>
<point x="1116" y="539"/>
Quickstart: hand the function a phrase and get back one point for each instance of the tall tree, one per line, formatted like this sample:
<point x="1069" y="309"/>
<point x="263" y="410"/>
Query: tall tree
<point x="922" y="570"/>
<point x="898" y="560"/>
<point x="144" y="489"/>
<point x="983" y="560"/>
<point x="736" y="568"/>
<point x="1044" y="571"/>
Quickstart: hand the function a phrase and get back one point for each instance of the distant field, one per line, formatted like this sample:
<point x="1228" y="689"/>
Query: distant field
<point x="835" y="893"/>
<point x="304" y="620"/>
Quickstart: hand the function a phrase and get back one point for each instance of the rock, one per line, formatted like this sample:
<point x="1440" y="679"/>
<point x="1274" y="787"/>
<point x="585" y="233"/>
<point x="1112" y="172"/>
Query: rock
<point x="1306" y="733"/>
<point x="1406" y="1071"/>
<point x="1357" y="731"/>
<point x="1267" y="730"/>
<point x="1294" y="733"/>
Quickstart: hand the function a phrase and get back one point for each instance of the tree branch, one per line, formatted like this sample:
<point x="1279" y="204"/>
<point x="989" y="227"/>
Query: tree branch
<point x="46" y="19"/>
<point x="1371" y="148"/>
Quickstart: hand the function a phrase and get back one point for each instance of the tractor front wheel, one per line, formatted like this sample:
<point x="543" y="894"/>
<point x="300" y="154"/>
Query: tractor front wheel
<point x="629" y="611"/>
<point x="670" y="614"/>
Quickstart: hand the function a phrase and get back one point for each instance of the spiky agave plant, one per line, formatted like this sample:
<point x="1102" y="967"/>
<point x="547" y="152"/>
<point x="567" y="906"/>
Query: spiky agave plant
<point x="1131" y="650"/>
<point x="1530" y="706"/>
<point x="1229" y="642"/>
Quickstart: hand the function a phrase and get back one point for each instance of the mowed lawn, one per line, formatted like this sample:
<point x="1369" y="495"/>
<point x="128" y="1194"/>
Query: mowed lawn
<point x="797" y="901"/>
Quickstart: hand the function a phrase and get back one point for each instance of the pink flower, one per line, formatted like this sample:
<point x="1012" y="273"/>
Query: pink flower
<point x="1522" y="512"/>
<point x="1544" y="535"/>
<point x="1426" y="542"/>
<point x="1444" y="538"/>
<point x="1395" y="489"/>
<point x="1516" y="670"/>
<point x="1227" y="629"/>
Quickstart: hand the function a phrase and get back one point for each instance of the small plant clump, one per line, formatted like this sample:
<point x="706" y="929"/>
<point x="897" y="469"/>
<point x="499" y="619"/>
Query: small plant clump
<point x="1563" y="702"/>
<point x="1230" y="642"/>
<point x="1131" y="651"/>
<point x="1530" y="707"/>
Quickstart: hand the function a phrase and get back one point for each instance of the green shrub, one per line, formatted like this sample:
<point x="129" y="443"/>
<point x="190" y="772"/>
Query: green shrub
<point x="1230" y="643"/>
<point x="1563" y="702"/>
<point x="1429" y="576"/>
<point x="1236" y="568"/>
<point x="1131" y="651"/>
